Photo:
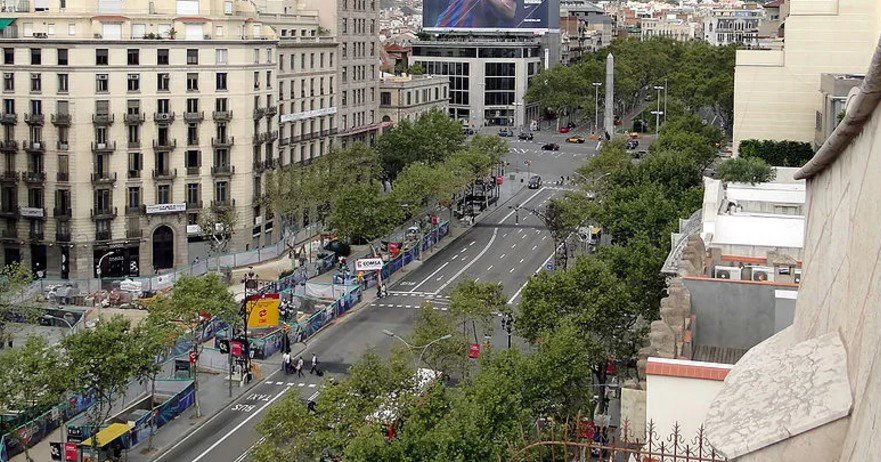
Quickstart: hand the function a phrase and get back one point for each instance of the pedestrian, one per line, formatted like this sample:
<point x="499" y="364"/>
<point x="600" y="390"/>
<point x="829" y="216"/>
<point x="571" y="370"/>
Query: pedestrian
<point x="314" y="369"/>
<point x="384" y="291"/>
<point x="286" y="362"/>
<point x="299" y="367"/>
<point x="561" y="179"/>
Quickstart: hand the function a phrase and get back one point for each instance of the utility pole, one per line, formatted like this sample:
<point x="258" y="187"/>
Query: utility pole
<point x="658" y="112"/>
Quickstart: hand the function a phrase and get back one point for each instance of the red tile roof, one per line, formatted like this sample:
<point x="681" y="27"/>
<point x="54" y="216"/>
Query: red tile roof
<point x="687" y="369"/>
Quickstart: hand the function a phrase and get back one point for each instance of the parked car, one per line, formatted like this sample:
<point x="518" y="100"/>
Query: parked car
<point x="534" y="182"/>
<point x="551" y="147"/>
<point x="575" y="139"/>
<point x="504" y="132"/>
<point x="564" y="129"/>
<point x="338" y="247"/>
<point x="525" y="136"/>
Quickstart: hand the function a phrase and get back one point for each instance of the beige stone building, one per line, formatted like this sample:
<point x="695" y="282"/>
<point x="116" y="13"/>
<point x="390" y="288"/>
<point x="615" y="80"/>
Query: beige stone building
<point x="777" y="92"/>
<point x="123" y="122"/>
<point x="406" y="97"/>
<point x="672" y="28"/>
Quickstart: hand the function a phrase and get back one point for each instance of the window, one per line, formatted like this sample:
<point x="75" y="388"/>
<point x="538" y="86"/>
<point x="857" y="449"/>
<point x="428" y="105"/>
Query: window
<point x="63" y="83"/>
<point x="192" y="105"/>
<point x="221" y="56"/>
<point x="192" y="159"/>
<point x="256" y="80"/>
<point x="192" y="135"/>
<point x="134" y="82"/>
<point x="36" y="56"/>
<point x="134" y="197"/>
<point x="62" y="56"/>
<point x="162" y="57"/>
<point x="311" y="60"/>
<point x="163" y="106"/>
<point x="163" y="194"/>
<point x="102" y="107"/>
<point x="192" y="82"/>
<point x="220" y="105"/>
<point x="71" y="29"/>
<point x="8" y="81"/>
<point x="101" y="57"/>
<point x="134" y="134"/>
<point x="321" y="60"/>
<point x="269" y="80"/>
<point x="385" y="98"/>
<point x="193" y="191"/>
<point x="192" y="56"/>
<point x="221" y="192"/>
<point x="36" y="82"/>
<point x="101" y="83"/>
<point x="135" y="164"/>
<point x="163" y="82"/>
<point x="9" y="56"/>
<point x="220" y="81"/>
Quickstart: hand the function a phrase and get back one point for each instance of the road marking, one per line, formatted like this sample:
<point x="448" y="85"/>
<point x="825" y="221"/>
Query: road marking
<point x="544" y="237"/>
<point x="534" y="247"/>
<point x="523" y="203"/>
<point x="439" y="278"/>
<point x="237" y="427"/>
<point x="465" y="268"/>
<point x="407" y="283"/>
<point x="513" y="245"/>
<point x="311" y="385"/>
<point x="454" y="257"/>
<point x="476" y="279"/>
<point x="524" y="237"/>
<point x="429" y="277"/>
<point x="463" y="249"/>
<point x="490" y="267"/>
<point x="301" y="384"/>
<point x="519" y="230"/>
<point x="504" y="235"/>
<point x="400" y="306"/>
<point x="521" y="260"/>
<point x="503" y="256"/>
<point x="512" y="270"/>
<point x="545" y="263"/>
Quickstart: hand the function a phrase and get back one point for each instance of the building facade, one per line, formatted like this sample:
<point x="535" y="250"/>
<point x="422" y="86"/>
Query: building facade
<point x="672" y="28"/>
<point x="123" y="123"/>
<point x="488" y="75"/>
<point x="406" y="97"/>
<point x="733" y="26"/>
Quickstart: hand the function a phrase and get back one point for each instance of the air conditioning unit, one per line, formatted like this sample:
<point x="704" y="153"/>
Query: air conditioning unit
<point x="62" y="145"/>
<point x="727" y="272"/>
<point x="36" y="144"/>
<point x="134" y="76"/>
<point x="102" y="76"/>
<point x="7" y="75"/>
<point x="763" y="274"/>
<point x="164" y="116"/>
<point x="102" y="145"/>
<point x="796" y="276"/>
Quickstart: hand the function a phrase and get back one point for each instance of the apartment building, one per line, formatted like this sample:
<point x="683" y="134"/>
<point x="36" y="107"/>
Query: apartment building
<point x="354" y="23"/>
<point x="122" y="123"/>
<point x="734" y="25"/>
<point x="406" y="97"/>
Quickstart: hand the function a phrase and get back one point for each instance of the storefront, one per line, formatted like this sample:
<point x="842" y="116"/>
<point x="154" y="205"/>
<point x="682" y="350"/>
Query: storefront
<point x="117" y="261"/>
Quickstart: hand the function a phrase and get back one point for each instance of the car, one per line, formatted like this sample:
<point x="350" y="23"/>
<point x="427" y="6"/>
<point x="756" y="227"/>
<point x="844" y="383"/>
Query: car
<point x="551" y="147"/>
<point x="468" y="131"/>
<point x="575" y="139"/>
<point x="504" y="132"/>
<point x="534" y="182"/>
<point x="525" y="136"/>
<point x="564" y="129"/>
<point x="632" y="144"/>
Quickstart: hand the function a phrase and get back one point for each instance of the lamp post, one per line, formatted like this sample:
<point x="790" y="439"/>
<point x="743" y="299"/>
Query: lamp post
<point x="658" y="111"/>
<point x="69" y="325"/>
<point x="101" y="260"/>
<point x="424" y="348"/>
<point x="596" y="102"/>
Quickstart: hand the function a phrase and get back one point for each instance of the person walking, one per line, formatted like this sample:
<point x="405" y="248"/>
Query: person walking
<point x="299" y="367"/>
<point x="286" y="362"/>
<point x="314" y="369"/>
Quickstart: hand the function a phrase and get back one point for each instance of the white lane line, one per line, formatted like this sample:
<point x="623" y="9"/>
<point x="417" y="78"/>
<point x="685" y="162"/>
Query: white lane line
<point x="311" y="385"/>
<point x="544" y="237"/>
<point x="503" y="256"/>
<point x="513" y="245"/>
<point x="521" y="260"/>
<point x="429" y="277"/>
<point x="476" y="279"/>
<point x="439" y="277"/>
<point x="524" y="237"/>
<point x="504" y="235"/>
<point x="465" y="268"/>
<point x="519" y="230"/>
<point x="463" y="249"/>
<point x="490" y="267"/>
<point x="454" y="257"/>
<point x="512" y="270"/>
<point x="240" y="425"/>
<point x="301" y="384"/>
<point x="472" y="243"/>
<point x="534" y="247"/>
<point x="523" y="203"/>
<point x="545" y="263"/>
<point x="517" y="294"/>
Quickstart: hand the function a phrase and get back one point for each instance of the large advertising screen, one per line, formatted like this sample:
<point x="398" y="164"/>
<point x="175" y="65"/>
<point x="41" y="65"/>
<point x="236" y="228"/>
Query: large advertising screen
<point x="489" y="15"/>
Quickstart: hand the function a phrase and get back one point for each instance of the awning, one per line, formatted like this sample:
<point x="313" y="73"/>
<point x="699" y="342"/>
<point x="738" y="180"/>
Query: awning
<point x="5" y="22"/>
<point x="109" y="434"/>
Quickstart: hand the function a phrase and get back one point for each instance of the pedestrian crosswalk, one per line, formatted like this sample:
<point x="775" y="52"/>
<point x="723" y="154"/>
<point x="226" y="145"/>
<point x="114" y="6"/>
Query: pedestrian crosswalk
<point x="428" y="295"/>
<point x="408" y="306"/>
<point x="291" y="384"/>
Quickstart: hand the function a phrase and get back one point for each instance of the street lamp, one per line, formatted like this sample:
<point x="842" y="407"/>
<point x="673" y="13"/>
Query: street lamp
<point x="101" y="260"/>
<point x="658" y="112"/>
<point x="596" y="102"/>
<point x="69" y="325"/>
<point x="424" y="348"/>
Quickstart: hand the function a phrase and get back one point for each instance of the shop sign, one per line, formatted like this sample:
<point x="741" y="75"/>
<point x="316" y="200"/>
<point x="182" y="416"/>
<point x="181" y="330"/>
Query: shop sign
<point x="155" y="209"/>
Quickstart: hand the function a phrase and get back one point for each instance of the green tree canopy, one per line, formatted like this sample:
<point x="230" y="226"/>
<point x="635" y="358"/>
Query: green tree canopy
<point x="777" y="153"/>
<point x="430" y="139"/>
<point x="360" y="213"/>
<point x="746" y="170"/>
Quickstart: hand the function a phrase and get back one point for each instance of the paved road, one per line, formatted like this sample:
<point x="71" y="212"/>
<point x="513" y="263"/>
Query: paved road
<point x="505" y="246"/>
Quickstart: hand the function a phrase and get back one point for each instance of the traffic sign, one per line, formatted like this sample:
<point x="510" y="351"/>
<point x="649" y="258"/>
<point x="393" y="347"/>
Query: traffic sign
<point x="192" y="357"/>
<point x="235" y="348"/>
<point x="474" y="351"/>
<point x="586" y="429"/>
<point x="549" y="266"/>
<point x="499" y="180"/>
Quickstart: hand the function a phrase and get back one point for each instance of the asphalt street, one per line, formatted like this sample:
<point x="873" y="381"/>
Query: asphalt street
<point x="505" y="246"/>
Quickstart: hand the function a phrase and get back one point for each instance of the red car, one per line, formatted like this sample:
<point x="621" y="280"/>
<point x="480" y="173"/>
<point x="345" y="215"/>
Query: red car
<point x="564" y="129"/>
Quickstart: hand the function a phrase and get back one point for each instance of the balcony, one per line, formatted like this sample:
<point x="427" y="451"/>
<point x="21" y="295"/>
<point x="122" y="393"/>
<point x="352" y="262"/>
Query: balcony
<point x="223" y="205"/>
<point x="194" y="117"/>
<point x="134" y="174"/>
<point x="62" y="236"/>
<point x="103" y="178"/>
<point x="103" y="119"/>
<point x="164" y="145"/>
<point x="10" y="146"/>
<point x="135" y="119"/>
<point x="62" y="176"/>
<point x="163" y="117"/>
<point x="164" y="175"/>
<point x="34" y="146"/>
<point x="134" y="233"/>
<point x="284" y="142"/>
<point x="194" y="205"/>
<point x="62" y="145"/>
<point x="34" y="177"/>
<point x="9" y="233"/>
<point x="60" y="212"/>
<point x="9" y="212"/>
<point x="324" y="133"/>
<point x="103" y="235"/>
<point x="61" y="120"/>
<point x="9" y="177"/>
<point x="271" y="111"/>
<point x="223" y="142"/>
<point x="134" y="145"/>
<point x="259" y="166"/>
<point x="272" y="136"/>
<point x="8" y="118"/>
<point x="222" y="116"/>
<point x="306" y="136"/>
<point x="34" y="119"/>
<point x="135" y="210"/>
<point x="103" y="213"/>
<point x="259" y="112"/>
<point x="222" y="170"/>
<point x="35" y="234"/>
<point x="103" y="148"/>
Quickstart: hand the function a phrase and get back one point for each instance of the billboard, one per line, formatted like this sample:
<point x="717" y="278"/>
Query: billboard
<point x="490" y="15"/>
<point x="263" y="310"/>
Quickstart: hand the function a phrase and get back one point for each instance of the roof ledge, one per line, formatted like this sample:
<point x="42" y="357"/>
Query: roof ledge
<point x="775" y="396"/>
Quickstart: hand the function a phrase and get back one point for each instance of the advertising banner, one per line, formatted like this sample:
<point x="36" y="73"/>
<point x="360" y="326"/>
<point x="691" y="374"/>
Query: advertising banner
<point x="263" y="310"/>
<point x="490" y="15"/>
<point x="368" y="264"/>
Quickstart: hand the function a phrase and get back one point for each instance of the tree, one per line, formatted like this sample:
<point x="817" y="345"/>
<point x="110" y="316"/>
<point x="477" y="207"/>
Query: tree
<point x="477" y="303"/>
<point x="777" y="153"/>
<point x="750" y="170"/>
<point x="193" y="303"/>
<point x="359" y="213"/>
<point x="14" y="280"/>
<point x="218" y="225"/>
<point x="447" y="356"/>
<point x="416" y="69"/>
<point x="155" y="335"/>
<point x="430" y="139"/>
<point x="34" y="380"/>
<point x="102" y="361"/>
